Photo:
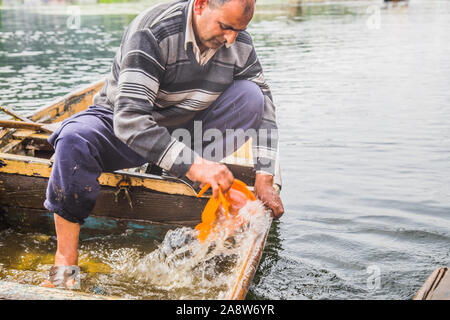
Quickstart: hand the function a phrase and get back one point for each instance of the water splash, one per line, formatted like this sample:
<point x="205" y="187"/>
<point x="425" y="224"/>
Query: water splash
<point x="184" y="267"/>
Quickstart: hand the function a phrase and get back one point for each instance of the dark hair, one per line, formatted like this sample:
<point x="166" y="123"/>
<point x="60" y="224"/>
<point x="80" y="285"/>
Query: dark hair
<point x="218" y="3"/>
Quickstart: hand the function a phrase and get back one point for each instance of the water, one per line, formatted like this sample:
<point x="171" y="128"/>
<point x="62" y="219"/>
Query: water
<point x="178" y="267"/>
<point x="364" y="117"/>
<point x="186" y="268"/>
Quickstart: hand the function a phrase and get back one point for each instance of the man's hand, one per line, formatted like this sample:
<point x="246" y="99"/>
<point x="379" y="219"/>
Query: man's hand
<point x="266" y="193"/>
<point x="216" y="174"/>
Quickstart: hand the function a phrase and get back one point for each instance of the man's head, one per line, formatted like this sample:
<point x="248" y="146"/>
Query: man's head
<point x="219" y="21"/>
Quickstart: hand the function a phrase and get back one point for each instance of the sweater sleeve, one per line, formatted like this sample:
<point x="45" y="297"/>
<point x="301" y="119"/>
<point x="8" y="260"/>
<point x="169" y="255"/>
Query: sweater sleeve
<point x="141" y="68"/>
<point x="265" y="147"/>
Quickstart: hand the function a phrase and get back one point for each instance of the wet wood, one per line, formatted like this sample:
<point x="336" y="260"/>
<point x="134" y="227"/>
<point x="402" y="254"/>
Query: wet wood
<point x="16" y="291"/>
<point x="436" y="287"/>
<point x="249" y="267"/>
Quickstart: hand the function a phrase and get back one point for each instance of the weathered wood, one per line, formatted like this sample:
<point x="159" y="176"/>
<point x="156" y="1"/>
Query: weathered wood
<point x="249" y="266"/>
<point x="16" y="291"/>
<point x="20" y="124"/>
<point x="29" y="125"/>
<point x="5" y="137"/>
<point x="14" y="114"/>
<point x="31" y="166"/>
<point x="67" y="105"/>
<point x="243" y="173"/>
<point x="12" y="146"/>
<point x="436" y="287"/>
<point x="31" y="134"/>
<point x="23" y="133"/>
<point x="3" y="132"/>
<point x="28" y="192"/>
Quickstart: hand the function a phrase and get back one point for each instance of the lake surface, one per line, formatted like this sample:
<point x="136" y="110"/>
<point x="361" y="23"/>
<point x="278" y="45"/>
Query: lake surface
<point x="363" y="107"/>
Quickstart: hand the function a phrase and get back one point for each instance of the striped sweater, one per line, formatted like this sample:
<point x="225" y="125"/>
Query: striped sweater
<point x="156" y="83"/>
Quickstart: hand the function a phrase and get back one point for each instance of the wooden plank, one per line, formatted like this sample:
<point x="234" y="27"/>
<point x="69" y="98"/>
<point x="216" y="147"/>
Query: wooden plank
<point x="16" y="291"/>
<point x="3" y="132"/>
<point x="241" y="163"/>
<point x="12" y="146"/>
<point x="442" y="289"/>
<point x="243" y="173"/>
<point x="31" y="166"/>
<point x="20" y="124"/>
<point x="436" y="287"/>
<point x="23" y="165"/>
<point x="64" y="107"/>
<point x="46" y="127"/>
<point x="249" y="266"/>
<point x="22" y="134"/>
<point x="15" y="115"/>
<point x="28" y="192"/>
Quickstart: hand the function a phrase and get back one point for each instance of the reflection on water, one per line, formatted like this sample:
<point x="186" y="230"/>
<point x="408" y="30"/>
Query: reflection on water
<point x="42" y="59"/>
<point x="364" y="132"/>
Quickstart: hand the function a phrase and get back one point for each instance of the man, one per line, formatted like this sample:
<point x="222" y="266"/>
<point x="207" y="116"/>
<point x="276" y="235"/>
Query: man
<point x="179" y="64"/>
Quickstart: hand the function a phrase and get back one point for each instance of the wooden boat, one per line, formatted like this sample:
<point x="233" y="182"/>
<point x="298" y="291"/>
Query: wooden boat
<point x="129" y="199"/>
<point x="436" y="287"/>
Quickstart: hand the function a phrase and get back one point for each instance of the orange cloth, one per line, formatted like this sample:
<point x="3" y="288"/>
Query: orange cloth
<point x="231" y="203"/>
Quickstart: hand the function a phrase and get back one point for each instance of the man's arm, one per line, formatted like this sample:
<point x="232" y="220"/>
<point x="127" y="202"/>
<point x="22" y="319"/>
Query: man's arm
<point x="142" y="67"/>
<point x="266" y="144"/>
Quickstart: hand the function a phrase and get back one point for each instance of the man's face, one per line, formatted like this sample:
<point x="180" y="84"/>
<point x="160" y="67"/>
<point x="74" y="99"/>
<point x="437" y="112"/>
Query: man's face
<point x="213" y="26"/>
